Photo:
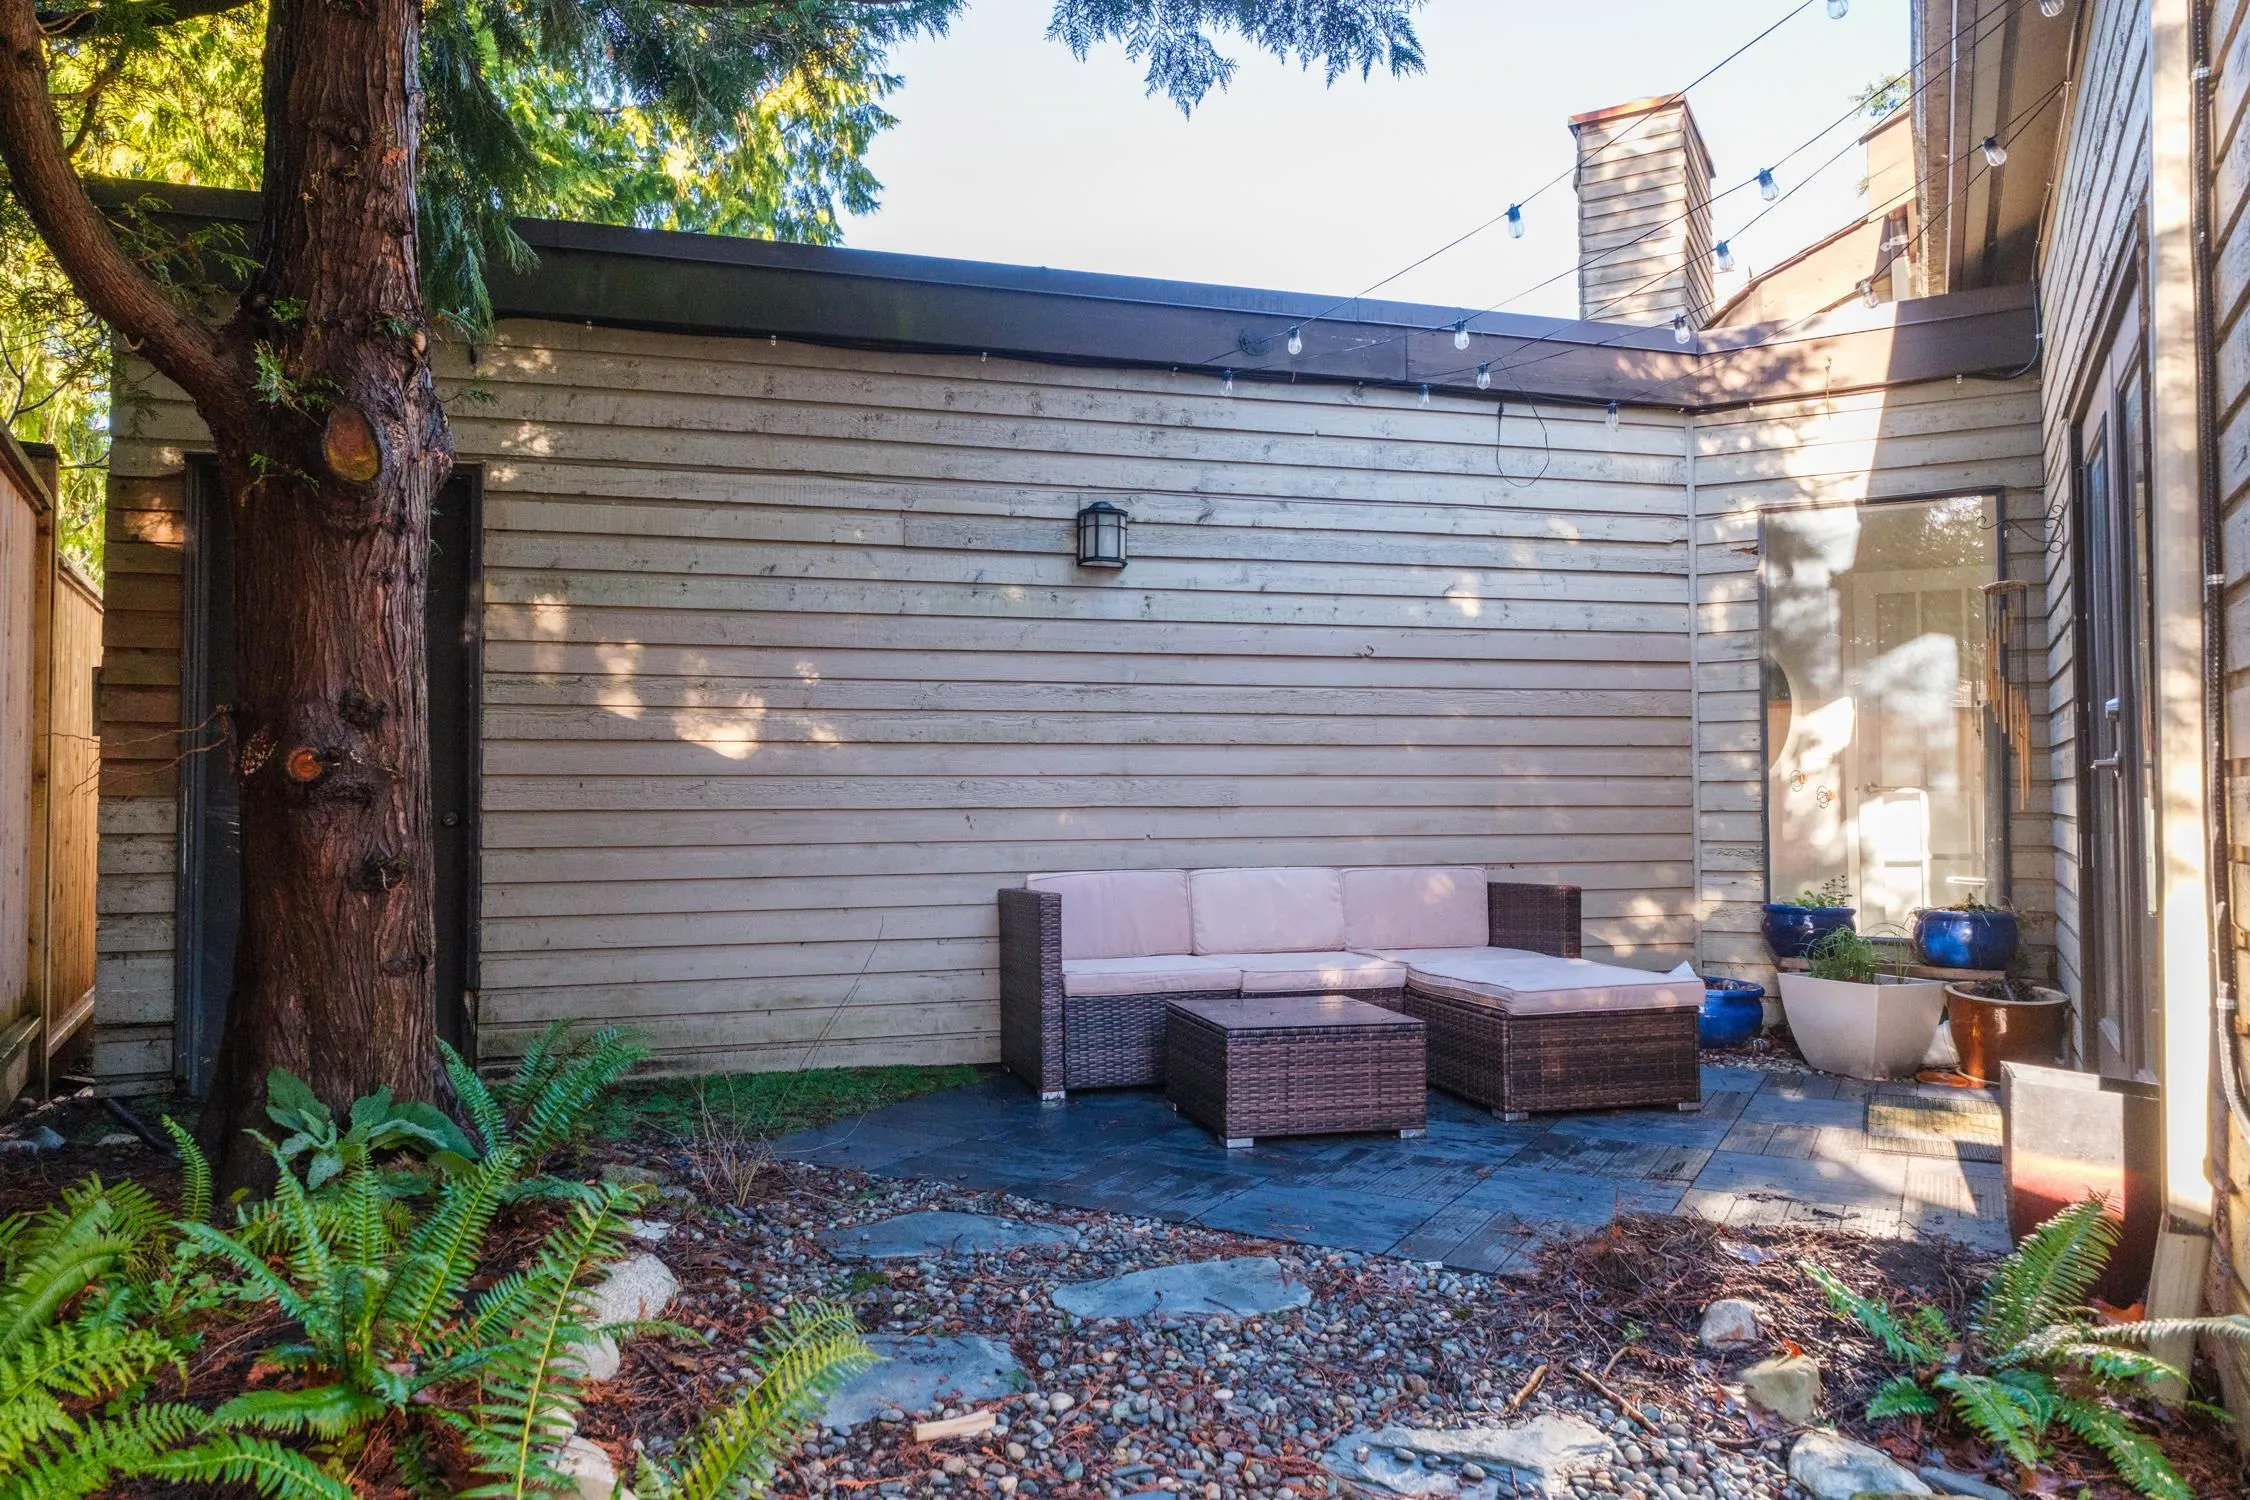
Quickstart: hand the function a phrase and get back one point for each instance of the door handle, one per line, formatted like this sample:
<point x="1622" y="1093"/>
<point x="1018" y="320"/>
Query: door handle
<point x="2106" y="763"/>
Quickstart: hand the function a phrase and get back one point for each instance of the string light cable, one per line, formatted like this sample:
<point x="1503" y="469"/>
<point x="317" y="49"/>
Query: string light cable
<point x="1997" y="18"/>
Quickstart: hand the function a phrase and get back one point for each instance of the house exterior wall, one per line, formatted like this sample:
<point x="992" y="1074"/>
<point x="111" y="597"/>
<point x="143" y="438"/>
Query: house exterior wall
<point x="1921" y="441"/>
<point x="1644" y="214"/>
<point x="789" y="667"/>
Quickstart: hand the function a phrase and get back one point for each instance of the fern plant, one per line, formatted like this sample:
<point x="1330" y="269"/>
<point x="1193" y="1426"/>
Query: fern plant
<point x="733" y="1451"/>
<point x="546" y="1103"/>
<point x="88" y="1312"/>
<point x="2033" y="1355"/>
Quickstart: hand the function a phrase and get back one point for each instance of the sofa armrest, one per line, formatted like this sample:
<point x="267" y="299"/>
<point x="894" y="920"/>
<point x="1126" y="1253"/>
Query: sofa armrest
<point x="1538" y="918"/>
<point x="1031" y="988"/>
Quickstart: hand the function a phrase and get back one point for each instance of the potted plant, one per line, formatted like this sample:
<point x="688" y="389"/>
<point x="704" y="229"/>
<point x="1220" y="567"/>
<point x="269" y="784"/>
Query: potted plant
<point x="1999" y="1021"/>
<point x="1849" y="1016"/>
<point x="1793" y="926"/>
<point x="1734" y="1010"/>
<point x="1972" y="935"/>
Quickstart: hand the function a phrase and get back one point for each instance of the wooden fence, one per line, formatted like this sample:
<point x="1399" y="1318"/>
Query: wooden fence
<point x="50" y="759"/>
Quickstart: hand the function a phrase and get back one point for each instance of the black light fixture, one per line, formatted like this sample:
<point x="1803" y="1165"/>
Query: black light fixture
<point x="1101" y="536"/>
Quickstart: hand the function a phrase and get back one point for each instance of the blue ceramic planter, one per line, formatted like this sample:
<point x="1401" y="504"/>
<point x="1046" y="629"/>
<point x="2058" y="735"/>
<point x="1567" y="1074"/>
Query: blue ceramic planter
<point x="1791" y="930"/>
<point x="1733" y="1011"/>
<point x="1966" y="939"/>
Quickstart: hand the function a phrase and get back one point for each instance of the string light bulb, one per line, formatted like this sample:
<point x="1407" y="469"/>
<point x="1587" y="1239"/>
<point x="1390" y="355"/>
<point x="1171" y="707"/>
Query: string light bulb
<point x="1515" y="221"/>
<point x="1995" y="154"/>
<point x="1484" y="377"/>
<point x="1768" y="189"/>
<point x="1226" y="383"/>
<point x="1838" y="9"/>
<point x="1681" y="333"/>
<point x="1723" y="253"/>
<point x="1609" y="418"/>
<point x="2050" y="8"/>
<point x="1461" y="334"/>
<point x="1868" y="294"/>
<point x="1296" y="342"/>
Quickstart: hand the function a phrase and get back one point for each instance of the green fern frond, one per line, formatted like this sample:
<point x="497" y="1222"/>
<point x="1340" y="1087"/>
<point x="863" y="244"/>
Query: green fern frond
<point x="486" y="1113"/>
<point x="734" y="1451"/>
<point x="83" y="1359"/>
<point x="2231" y="1326"/>
<point x="2138" y="1460"/>
<point x="2047" y="1276"/>
<point x="1901" y="1339"/>
<point x="237" y="1458"/>
<point x="2002" y="1412"/>
<point x="324" y="1410"/>
<point x="195" y="1172"/>
<point x="2109" y="1363"/>
<point x="442" y="1253"/>
<point x="1901" y="1396"/>
<point x="89" y="1232"/>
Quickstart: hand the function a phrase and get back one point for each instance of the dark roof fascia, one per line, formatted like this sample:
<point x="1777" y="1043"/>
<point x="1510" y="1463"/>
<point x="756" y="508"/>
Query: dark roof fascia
<point x="674" y="282"/>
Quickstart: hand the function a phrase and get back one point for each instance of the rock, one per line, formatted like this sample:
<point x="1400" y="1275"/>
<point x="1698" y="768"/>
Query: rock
<point x="636" y="1289"/>
<point x="117" y="1139"/>
<point x="912" y="1371"/>
<point x="1242" y="1288"/>
<point x="1787" y="1386"/>
<point x="1946" y="1482"/>
<point x="1832" y="1467"/>
<point x="592" y="1476"/>
<point x="1729" y="1323"/>
<point x="625" y="1174"/>
<point x="37" y="1138"/>
<point x="1528" y="1458"/>
<point x="937" y="1232"/>
<point x="648" y="1231"/>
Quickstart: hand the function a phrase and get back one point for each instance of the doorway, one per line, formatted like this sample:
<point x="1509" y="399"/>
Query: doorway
<point x="210" y="808"/>
<point x="1879" y="760"/>
<point x="2116" y="759"/>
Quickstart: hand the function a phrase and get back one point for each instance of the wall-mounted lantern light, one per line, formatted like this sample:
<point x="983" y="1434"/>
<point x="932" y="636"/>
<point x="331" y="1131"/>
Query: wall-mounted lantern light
<point x="1101" y="536"/>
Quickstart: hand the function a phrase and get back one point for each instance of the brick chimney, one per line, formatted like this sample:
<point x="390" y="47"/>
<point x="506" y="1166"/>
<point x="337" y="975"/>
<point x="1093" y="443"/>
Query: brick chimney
<point x="1644" y="213"/>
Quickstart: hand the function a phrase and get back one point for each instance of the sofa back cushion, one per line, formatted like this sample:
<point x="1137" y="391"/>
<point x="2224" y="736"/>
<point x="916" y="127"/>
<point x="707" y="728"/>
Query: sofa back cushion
<point x="1298" y="910"/>
<point x="1415" y="906"/>
<point x="1120" y="913"/>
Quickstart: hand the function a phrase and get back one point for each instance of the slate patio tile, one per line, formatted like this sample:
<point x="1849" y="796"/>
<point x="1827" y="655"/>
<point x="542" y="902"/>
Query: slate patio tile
<point x="1311" y="1216"/>
<point x="859" y="1144"/>
<point x="1718" y="1078"/>
<point x="1800" y="1085"/>
<point x="1868" y="1179"/>
<point x="1874" y="1221"/>
<point x="1989" y="1235"/>
<point x="1724" y="1104"/>
<point x="1660" y="1127"/>
<point x="1442" y="1233"/>
<point x="1788" y="1109"/>
<point x="1559" y="1197"/>
<point x="1503" y="1245"/>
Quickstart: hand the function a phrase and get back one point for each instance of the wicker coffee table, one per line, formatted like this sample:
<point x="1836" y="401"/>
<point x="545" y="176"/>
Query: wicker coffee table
<point x="1295" y="1065"/>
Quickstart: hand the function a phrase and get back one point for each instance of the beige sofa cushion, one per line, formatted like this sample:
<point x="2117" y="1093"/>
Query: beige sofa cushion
<point x="1537" y="984"/>
<point x="1120" y="913"/>
<point x="1299" y="910"/>
<point x="1282" y="973"/>
<point x="1415" y="906"/>
<point x="1156" y="974"/>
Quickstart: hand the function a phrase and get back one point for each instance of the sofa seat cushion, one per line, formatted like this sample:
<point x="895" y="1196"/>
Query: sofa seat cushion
<point x="1297" y="910"/>
<point x="1151" y="974"/>
<point x="1519" y="983"/>
<point x="1287" y="973"/>
<point x="1120" y="913"/>
<point x="1415" y="906"/>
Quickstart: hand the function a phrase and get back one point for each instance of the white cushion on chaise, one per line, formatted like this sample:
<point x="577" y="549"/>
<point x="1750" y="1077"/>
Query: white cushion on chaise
<point x="1285" y="973"/>
<point x="1521" y="983"/>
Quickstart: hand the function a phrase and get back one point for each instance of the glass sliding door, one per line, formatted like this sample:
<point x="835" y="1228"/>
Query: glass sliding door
<point x="1878" y="762"/>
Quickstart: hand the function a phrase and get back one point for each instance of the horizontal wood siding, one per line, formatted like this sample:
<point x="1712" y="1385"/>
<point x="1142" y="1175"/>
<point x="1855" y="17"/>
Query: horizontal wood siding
<point x="789" y="666"/>
<point x="1911" y="442"/>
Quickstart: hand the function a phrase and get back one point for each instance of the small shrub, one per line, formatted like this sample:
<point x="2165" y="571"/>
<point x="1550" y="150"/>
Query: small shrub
<point x="1846" y="955"/>
<point x="1832" y="894"/>
<point x="2034" y="1355"/>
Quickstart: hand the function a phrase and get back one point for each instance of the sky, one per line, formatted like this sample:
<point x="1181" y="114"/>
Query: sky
<point x="1009" y="149"/>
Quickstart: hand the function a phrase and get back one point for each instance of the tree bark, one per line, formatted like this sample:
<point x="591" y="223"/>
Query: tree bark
<point x="332" y="443"/>
<point x="332" y="482"/>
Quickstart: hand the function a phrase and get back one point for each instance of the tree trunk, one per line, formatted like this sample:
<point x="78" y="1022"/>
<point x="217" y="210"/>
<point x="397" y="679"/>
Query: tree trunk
<point x="331" y="462"/>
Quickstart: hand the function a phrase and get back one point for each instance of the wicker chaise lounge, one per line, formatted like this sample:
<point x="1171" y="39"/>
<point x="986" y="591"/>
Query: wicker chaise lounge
<point x="1517" y="1020"/>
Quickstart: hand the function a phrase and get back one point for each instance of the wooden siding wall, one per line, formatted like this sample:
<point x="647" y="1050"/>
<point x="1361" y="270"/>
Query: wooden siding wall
<point x="1644" y="218"/>
<point x="21" y="568"/>
<point x="788" y="665"/>
<point x="1913" y="441"/>
<point x="2230" y="301"/>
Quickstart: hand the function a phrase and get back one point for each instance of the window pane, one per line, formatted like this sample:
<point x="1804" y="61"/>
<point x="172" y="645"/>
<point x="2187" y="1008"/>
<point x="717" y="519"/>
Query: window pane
<point x="1874" y="685"/>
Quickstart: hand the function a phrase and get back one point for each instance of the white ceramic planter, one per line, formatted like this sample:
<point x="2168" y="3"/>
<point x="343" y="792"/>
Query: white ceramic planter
<point x="1878" y="1030"/>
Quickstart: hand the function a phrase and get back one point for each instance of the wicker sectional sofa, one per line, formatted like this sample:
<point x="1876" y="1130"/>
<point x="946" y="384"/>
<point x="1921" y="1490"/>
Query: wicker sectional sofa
<point x="1517" y="1020"/>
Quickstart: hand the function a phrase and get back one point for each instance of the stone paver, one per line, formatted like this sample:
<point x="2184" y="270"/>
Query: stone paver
<point x="926" y="1236"/>
<point x="1244" y="1287"/>
<point x="918" y="1373"/>
<point x="1477" y="1193"/>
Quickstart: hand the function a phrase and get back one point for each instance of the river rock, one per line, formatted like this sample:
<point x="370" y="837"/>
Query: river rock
<point x="1832" y="1467"/>
<point x="1246" y="1287"/>
<point x="1788" y="1386"/>
<point x="636" y="1289"/>
<point x="1729" y="1323"/>
<point x="1528" y="1458"/>
<point x="592" y="1476"/>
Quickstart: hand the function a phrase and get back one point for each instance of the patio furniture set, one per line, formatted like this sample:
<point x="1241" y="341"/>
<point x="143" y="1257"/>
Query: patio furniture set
<point x="1313" y="1000"/>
